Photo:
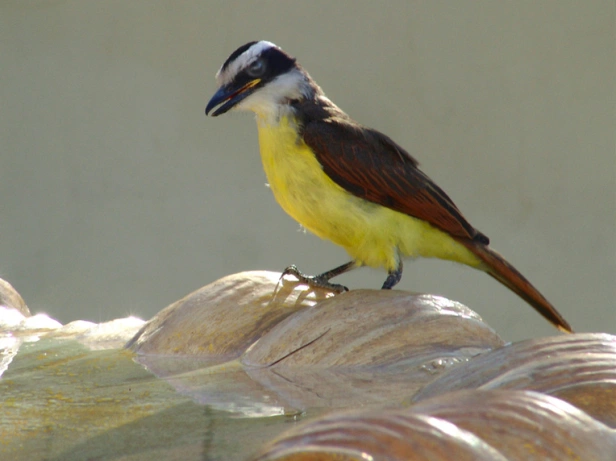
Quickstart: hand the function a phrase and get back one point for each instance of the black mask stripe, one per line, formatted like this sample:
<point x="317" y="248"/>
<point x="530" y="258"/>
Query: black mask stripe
<point x="277" y="62"/>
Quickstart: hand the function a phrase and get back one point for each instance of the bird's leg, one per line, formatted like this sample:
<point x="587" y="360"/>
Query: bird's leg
<point x="393" y="277"/>
<point x="321" y="280"/>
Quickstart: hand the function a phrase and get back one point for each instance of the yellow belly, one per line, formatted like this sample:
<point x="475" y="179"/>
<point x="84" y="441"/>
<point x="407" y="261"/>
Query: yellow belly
<point x="373" y="235"/>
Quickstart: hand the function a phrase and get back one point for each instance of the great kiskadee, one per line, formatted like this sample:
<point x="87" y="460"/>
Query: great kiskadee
<point x="351" y="184"/>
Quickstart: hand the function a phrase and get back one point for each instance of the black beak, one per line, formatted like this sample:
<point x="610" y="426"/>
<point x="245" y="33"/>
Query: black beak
<point x="230" y="97"/>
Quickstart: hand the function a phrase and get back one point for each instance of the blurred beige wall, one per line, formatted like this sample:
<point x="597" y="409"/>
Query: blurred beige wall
<point x="118" y="196"/>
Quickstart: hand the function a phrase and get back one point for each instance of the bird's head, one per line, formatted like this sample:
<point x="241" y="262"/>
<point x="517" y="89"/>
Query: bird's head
<point x="258" y="77"/>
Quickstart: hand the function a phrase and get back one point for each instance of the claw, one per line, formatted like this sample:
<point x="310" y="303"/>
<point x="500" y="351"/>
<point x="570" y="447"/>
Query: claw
<point x="316" y="281"/>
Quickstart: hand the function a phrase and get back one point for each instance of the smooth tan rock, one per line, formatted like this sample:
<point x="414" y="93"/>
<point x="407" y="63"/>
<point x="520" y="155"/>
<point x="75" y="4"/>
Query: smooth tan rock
<point x="365" y="347"/>
<point x="578" y="368"/>
<point x="225" y="317"/>
<point x="391" y="435"/>
<point x="369" y="328"/>
<point x="525" y="425"/>
<point x="9" y="297"/>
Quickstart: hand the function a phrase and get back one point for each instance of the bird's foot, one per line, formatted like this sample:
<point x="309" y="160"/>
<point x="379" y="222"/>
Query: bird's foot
<point x="393" y="278"/>
<point x="316" y="281"/>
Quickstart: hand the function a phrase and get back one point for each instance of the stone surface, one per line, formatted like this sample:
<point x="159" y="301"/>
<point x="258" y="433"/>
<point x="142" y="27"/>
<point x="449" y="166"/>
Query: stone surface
<point x="579" y="368"/>
<point x="368" y="328"/>
<point x="470" y="424"/>
<point x="241" y="358"/>
<point x="9" y="297"/>
<point x="366" y="347"/>
<point x="525" y="425"/>
<point x="380" y="435"/>
<point x="225" y="317"/>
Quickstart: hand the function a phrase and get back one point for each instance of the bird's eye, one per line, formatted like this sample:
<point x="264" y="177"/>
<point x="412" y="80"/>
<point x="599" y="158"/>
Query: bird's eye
<point x="256" y="68"/>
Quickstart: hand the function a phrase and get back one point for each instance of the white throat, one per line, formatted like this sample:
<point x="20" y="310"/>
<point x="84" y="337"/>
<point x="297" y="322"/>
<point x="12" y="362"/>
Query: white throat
<point x="272" y="100"/>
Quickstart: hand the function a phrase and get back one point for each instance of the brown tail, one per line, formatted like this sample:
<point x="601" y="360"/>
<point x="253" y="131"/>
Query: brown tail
<point x="505" y="273"/>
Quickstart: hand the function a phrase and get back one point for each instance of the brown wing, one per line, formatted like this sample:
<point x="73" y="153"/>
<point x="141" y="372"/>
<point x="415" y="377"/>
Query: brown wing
<point x="370" y="165"/>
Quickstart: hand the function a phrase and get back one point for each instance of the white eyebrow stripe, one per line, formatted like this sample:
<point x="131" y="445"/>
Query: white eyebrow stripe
<point x="226" y="76"/>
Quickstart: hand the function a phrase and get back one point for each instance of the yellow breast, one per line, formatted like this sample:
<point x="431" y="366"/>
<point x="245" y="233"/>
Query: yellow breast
<point x="372" y="234"/>
<point x="303" y="190"/>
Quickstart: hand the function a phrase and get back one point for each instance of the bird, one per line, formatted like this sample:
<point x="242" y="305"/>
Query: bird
<point x="351" y="184"/>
